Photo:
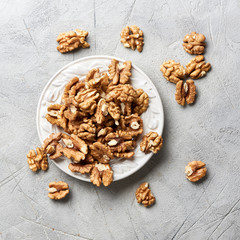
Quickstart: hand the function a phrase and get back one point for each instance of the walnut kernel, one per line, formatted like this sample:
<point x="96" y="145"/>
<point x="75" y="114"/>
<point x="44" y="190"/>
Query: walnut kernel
<point x="185" y="92"/>
<point x="101" y="173"/>
<point x="69" y="41"/>
<point x="132" y="37"/>
<point x="172" y="71"/>
<point x="194" y="43"/>
<point x="197" y="67"/>
<point x="195" y="170"/>
<point x="151" y="142"/>
<point x="144" y="195"/>
<point x="58" y="190"/>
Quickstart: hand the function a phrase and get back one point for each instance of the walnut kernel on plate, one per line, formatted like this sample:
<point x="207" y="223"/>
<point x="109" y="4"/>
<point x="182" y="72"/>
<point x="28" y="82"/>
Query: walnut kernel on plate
<point x="151" y="142"/>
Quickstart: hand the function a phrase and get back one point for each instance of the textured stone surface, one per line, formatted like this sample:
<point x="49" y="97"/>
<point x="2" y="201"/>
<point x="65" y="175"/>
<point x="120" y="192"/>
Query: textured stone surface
<point x="207" y="131"/>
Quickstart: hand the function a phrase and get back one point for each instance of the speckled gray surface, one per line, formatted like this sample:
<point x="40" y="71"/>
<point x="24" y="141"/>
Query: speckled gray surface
<point x="207" y="131"/>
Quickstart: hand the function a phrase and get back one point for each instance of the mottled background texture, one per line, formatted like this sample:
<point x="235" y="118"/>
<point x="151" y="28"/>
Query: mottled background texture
<point x="207" y="131"/>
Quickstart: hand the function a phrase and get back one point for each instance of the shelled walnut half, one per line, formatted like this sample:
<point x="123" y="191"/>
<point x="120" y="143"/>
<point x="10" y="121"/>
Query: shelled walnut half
<point x="194" y="43"/>
<point x="58" y="190"/>
<point x="69" y="41"/>
<point x="151" y="142"/>
<point x="76" y="149"/>
<point x="119" y="73"/>
<point x="132" y="37"/>
<point x="185" y="92"/>
<point x="197" y="67"/>
<point x="172" y="71"/>
<point x="80" y="167"/>
<point x="101" y="173"/>
<point x="195" y="170"/>
<point x="144" y="195"/>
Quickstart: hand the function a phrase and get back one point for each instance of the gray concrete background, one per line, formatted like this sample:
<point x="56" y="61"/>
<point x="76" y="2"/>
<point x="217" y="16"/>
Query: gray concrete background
<point x="207" y="131"/>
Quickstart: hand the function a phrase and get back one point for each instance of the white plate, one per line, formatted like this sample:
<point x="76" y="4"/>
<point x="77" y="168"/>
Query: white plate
<point x="152" y="118"/>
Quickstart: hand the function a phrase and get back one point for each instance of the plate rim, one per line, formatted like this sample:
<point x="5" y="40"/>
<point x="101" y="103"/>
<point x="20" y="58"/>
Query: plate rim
<point x="87" y="58"/>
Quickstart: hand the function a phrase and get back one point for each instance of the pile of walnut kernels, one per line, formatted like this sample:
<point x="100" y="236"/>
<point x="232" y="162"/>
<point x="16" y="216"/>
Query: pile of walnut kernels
<point x="101" y="118"/>
<point x="101" y="115"/>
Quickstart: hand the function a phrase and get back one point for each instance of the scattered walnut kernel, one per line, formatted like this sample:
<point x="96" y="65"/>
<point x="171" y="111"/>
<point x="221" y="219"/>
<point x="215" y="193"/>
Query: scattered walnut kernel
<point x="194" y="43"/>
<point x="58" y="190"/>
<point x="195" y="170"/>
<point x="144" y="195"/>
<point x="172" y="71"/>
<point x="119" y="74"/>
<point x="68" y="41"/>
<point x="37" y="161"/>
<point x="197" y="67"/>
<point x="185" y="92"/>
<point x="132" y="37"/>
<point x="101" y="173"/>
<point x="151" y="142"/>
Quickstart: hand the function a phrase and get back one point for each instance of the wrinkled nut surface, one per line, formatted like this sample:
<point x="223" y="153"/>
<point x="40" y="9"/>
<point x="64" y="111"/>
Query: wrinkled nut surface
<point x="195" y="170"/>
<point x="52" y="146"/>
<point x="102" y="111"/>
<point x="144" y="195"/>
<point x="121" y="92"/>
<point x="172" y="71"/>
<point x="119" y="74"/>
<point x="194" y="43"/>
<point x="132" y="124"/>
<point x="55" y="115"/>
<point x="81" y="168"/>
<point x="114" y="111"/>
<point x="37" y="160"/>
<point x="185" y="92"/>
<point x="87" y="131"/>
<point x="101" y="152"/>
<point x="197" y="67"/>
<point x="132" y="37"/>
<point x="151" y="142"/>
<point x="58" y="190"/>
<point x="101" y="173"/>
<point x="69" y="41"/>
<point x="141" y="102"/>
